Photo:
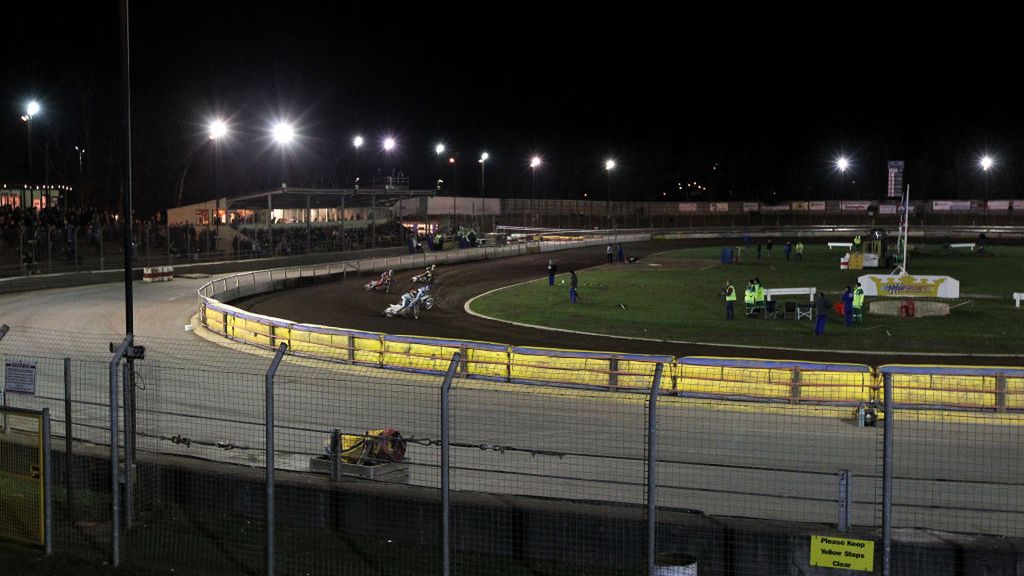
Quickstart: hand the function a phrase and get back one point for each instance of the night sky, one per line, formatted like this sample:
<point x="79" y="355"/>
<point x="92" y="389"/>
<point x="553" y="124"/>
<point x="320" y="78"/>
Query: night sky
<point x="751" y="103"/>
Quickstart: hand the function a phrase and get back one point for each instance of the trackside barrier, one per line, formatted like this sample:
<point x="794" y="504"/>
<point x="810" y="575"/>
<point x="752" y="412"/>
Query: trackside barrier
<point x="554" y="366"/>
<point x="964" y="387"/>
<point x="791" y="380"/>
<point x="973" y="387"/>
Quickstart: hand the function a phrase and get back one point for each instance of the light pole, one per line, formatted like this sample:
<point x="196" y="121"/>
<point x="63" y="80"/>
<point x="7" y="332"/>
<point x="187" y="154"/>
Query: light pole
<point x="483" y="183"/>
<point x="218" y="129"/>
<point x="438" y="151"/>
<point x="81" y="190"/>
<point x="483" y="173"/>
<point x="986" y="162"/>
<point x="30" y="110"/>
<point x="389" y="146"/>
<point x="534" y="163"/>
<point x="842" y="164"/>
<point x="609" y="165"/>
<point x="283" y="133"/>
<point x="455" y="185"/>
<point x="357" y="143"/>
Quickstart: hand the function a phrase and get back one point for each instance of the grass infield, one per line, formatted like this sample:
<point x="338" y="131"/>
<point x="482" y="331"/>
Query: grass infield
<point x="676" y="295"/>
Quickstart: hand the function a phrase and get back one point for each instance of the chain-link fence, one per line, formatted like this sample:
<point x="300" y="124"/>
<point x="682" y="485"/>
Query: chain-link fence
<point x="410" y="472"/>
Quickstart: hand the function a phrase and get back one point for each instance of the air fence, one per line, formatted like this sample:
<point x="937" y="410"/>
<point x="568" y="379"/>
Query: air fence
<point x="728" y="466"/>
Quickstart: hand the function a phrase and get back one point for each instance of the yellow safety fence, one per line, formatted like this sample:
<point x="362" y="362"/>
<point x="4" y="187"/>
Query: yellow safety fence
<point x="977" y="388"/>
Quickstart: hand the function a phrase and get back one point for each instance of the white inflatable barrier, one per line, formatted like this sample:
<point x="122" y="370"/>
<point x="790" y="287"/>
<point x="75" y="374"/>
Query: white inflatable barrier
<point x="158" y="274"/>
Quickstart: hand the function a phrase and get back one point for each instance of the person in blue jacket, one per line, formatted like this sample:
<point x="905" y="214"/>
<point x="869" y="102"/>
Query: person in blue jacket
<point x="848" y="306"/>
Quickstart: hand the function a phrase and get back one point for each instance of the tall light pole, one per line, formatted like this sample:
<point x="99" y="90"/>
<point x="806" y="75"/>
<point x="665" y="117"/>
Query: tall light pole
<point x="81" y="190"/>
<point x="842" y="164"/>
<point x="284" y="134"/>
<point x="534" y="163"/>
<point x="218" y="129"/>
<point x="986" y="162"/>
<point x="357" y="143"/>
<point x="389" y="146"/>
<point x="483" y="172"/>
<point x="483" y="185"/>
<point x="30" y="110"/>
<point x="439" y="154"/>
<point x="609" y="165"/>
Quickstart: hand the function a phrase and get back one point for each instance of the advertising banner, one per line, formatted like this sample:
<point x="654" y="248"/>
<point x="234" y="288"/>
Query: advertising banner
<point x="719" y="206"/>
<point x="854" y="205"/>
<point x="687" y="207"/>
<point x="751" y="206"/>
<point x="951" y="205"/>
<point x="816" y="206"/>
<point x="910" y="286"/>
<point x="998" y="205"/>
<point x="799" y="206"/>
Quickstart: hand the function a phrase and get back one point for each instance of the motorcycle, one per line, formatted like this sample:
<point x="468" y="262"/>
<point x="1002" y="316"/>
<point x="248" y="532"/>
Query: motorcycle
<point x="426" y="277"/>
<point x="424" y="301"/>
<point x="384" y="282"/>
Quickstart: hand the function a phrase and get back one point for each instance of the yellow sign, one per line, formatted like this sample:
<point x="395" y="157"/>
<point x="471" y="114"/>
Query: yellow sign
<point x="845" y="553"/>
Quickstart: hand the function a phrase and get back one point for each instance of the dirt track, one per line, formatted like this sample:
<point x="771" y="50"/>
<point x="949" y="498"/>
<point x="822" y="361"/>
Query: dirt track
<point x="346" y="304"/>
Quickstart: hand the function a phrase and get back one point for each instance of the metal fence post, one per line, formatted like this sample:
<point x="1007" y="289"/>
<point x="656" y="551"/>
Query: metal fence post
<point x="269" y="428"/>
<point x="843" y="499"/>
<point x="115" y="488"/>
<point x="47" y="485"/>
<point x="445" y="455"/>
<point x="129" y="457"/>
<point x="335" y="453"/>
<point x="887" y="474"/>
<point x="68" y="430"/>
<point x="652" y="463"/>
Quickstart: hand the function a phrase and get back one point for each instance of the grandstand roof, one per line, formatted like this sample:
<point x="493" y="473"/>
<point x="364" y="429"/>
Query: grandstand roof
<point x="295" y="198"/>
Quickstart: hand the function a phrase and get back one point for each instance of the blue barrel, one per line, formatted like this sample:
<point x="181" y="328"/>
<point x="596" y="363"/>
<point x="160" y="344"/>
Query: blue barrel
<point x="726" y="255"/>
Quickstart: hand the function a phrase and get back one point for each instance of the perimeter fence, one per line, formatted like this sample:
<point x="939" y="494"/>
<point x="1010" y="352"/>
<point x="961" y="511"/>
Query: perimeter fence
<point x="237" y="460"/>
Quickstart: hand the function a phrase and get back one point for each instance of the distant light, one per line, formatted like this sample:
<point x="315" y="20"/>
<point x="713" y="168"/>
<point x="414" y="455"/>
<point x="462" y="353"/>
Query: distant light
<point x="609" y="165"/>
<point x="357" y="141"/>
<point x="535" y="161"/>
<point x="218" y="129"/>
<point x="283" y="133"/>
<point x="987" y="162"/>
<point x="842" y="163"/>
<point x="32" y="109"/>
<point x="451" y="159"/>
<point x="389" y="144"/>
<point x="439" y="149"/>
<point x="484" y="156"/>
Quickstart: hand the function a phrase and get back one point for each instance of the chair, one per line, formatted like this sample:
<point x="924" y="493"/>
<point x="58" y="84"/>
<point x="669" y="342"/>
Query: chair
<point x="804" y="311"/>
<point x="770" y="311"/>
<point x="789" y="310"/>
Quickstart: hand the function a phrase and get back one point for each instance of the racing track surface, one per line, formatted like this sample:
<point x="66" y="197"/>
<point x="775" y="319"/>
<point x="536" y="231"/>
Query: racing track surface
<point x="345" y="304"/>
